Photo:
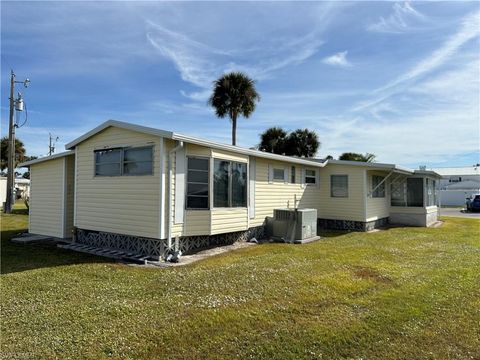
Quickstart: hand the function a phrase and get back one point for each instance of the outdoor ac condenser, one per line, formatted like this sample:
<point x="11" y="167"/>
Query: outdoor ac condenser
<point x="295" y="225"/>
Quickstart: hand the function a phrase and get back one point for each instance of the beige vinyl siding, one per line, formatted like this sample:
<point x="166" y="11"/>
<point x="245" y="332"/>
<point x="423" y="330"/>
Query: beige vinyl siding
<point x="229" y="220"/>
<point x="46" y="198"/>
<point x="278" y="194"/>
<point x="69" y="193"/>
<point x="378" y="208"/>
<point x="119" y="204"/>
<point x="348" y="208"/>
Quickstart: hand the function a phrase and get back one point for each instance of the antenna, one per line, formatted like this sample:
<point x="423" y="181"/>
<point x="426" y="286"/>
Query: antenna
<point x="51" y="146"/>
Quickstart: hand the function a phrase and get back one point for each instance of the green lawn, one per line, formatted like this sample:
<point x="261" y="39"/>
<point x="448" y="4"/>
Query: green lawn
<point x="404" y="293"/>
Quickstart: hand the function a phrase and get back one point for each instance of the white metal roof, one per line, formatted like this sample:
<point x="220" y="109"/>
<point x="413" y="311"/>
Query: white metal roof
<point x="454" y="171"/>
<point x="46" y="158"/>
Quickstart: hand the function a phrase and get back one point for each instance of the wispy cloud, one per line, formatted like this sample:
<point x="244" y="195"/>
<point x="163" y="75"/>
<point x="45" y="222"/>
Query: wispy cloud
<point x="338" y="59"/>
<point x="404" y="18"/>
<point x="468" y="30"/>
<point x="199" y="63"/>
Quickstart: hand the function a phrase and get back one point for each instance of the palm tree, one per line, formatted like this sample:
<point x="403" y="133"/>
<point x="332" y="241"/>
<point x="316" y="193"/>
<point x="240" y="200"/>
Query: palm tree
<point x="273" y="140"/>
<point x="234" y="94"/>
<point x="302" y="143"/>
<point x="349" y="156"/>
<point x="19" y="153"/>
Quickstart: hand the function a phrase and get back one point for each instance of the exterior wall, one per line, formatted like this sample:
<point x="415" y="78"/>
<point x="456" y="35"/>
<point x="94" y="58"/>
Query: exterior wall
<point x="413" y="216"/>
<point x="229" y="220"/>
<point x="46" y="200"/>
<point x="377" y="208"/>
<point x="126" y="205"/>
<point x="279" y="194"/>
<point x="349" y="208"/>
<point x="69" y="194"/>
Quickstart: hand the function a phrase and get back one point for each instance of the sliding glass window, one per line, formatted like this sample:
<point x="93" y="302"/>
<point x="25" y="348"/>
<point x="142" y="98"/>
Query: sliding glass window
<point x="229" y="184"/>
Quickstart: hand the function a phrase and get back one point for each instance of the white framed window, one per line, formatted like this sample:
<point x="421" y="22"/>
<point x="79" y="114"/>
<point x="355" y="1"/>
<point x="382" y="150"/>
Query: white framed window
<point x="292" y="175"/>
<point x="378" y="186"/>
<point x="310" y="177"/>
<point x="197" y="183"/>
<point x="279" y="174"/>
<point x="124" y="161"/>
<point x="339" y="186"/>
<point x="229" y="184"/>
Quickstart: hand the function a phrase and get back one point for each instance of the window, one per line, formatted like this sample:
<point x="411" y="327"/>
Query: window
<point x="137" y="161"/>
<point x="229" y="184"/>
<point x="279" y="174"/>
<point x="124" y="161"/>
<point x="310" y="176"/>
<point x="339" y="185"/>
<point x="197" y="183"/>
<point x="292" y="175"/>
<point x="107" y="162"/>
<point x="378" y="186"/>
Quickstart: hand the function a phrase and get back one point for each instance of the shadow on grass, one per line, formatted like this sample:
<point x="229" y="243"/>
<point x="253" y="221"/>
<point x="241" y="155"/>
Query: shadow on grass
<point x="23" y="257"/>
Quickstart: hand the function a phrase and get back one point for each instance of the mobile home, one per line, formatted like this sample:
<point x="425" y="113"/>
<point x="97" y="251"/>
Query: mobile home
<point x="129" y="187"/>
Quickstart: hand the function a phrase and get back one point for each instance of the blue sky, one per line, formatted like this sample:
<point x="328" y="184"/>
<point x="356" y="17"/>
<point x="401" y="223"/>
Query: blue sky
<point x="397" y="79"/>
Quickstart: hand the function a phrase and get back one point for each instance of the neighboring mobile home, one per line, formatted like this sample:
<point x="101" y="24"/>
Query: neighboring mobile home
<point x="130" y="187"/>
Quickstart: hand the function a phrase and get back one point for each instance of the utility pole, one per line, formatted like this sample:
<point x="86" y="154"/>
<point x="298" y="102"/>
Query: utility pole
<point x="11" y="141"/>
<point x="51" y="147"/>
<point x="11" y="148"/>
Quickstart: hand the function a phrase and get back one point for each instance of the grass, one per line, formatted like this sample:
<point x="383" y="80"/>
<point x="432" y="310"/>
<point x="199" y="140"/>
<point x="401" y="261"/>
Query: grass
<point x="403" y="293"/>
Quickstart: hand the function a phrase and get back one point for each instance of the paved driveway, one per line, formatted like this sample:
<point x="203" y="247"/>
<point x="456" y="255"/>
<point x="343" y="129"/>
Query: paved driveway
<point x="458" y="212"/>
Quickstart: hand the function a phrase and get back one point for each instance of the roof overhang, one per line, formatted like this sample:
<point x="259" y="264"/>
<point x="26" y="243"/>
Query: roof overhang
<point x="46" y="158"/>
<point x="373" y="166"/>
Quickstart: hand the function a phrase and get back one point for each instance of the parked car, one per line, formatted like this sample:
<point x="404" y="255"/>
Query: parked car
<point x="473" y="204"/>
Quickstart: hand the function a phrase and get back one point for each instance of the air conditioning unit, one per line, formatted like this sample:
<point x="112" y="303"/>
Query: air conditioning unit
<point x="295" y="225"/>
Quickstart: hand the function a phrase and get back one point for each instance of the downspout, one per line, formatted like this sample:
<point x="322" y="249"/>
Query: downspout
<point x="170" y="200"/>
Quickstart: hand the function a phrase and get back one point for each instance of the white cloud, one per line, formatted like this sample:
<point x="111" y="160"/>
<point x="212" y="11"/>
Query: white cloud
<point x="404" y="18"/>
<point x="338" y="59"/>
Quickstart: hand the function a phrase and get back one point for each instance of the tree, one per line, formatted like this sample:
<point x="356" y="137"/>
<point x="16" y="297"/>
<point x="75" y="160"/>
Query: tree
<point x="273" y="140"/>
<point x="19" y="153"/>
<point x="357" y="157"/>
<point x="302" y="143"/>
<point x="329" y="157"/>
<point x="26" y="175"/>
<point x="234" y="94"/>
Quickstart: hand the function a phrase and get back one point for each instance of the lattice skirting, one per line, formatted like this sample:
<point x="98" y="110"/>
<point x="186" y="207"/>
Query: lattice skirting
<point x="131" y="244"/>
<point x="157" y="248"/>
<point x="351" y="225"/>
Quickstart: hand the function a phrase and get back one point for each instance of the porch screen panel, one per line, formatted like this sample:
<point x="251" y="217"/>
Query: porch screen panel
<point x="414" y="192"/>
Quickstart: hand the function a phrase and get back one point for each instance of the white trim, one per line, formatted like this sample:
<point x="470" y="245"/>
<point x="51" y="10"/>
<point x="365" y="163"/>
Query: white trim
<point x="180" y="185"/>
<point x="64" y="198"/>
<point x="75" y="191"/>
<point x="251" y="188"/>
<point x="365" y="194"/>
<point x="46" y="158"/>
<point x="161" y="205"/>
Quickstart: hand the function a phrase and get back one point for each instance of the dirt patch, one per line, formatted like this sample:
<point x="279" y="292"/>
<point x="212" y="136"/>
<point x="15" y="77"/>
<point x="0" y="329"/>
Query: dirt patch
<point x="371" y="274"/>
